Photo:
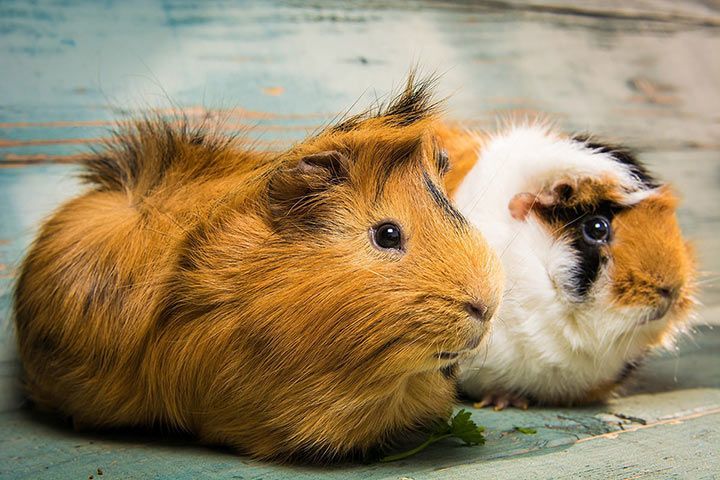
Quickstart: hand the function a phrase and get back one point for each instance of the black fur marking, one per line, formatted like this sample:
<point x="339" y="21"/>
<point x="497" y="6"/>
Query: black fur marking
<point x="197" y="138"/>
<point x="413" y="104"/>
<point x="194" y="241"/>
<point x="591" y="257"/>
<point x="450" y="372"/>
<point x="104" y="170"/>
<point x="439" y="197"/>
<point x="443" y="162"/>
<point x="628" y="369"/>
<point x="622" y="155"/>
<point x="588" y="268"/>
<point x="142" y="152"/>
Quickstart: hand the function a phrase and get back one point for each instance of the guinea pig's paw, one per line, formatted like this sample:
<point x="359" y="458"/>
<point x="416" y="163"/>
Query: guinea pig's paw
<point x="500" y="401"/>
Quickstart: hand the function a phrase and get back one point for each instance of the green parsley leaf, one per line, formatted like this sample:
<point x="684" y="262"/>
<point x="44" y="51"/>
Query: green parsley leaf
<point x="526" y="430"/>
<point x="466" y="430"/>
<point x="460" y="426"/>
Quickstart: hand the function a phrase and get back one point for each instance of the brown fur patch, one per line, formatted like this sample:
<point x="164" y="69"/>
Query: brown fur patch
<point x="570" y="195"/>
<point x="652" y="263"/>
<point x="585" y="192"/>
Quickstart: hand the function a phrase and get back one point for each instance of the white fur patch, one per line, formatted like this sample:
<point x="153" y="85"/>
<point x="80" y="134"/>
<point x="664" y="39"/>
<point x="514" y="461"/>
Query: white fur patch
<point x="544" y="343"/>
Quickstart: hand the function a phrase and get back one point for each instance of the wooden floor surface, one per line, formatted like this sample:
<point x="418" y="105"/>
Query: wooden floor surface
<point x="646" y="73"/>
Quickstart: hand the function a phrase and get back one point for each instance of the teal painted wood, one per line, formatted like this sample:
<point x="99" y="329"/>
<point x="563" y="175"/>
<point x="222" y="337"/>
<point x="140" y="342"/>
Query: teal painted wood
<point x="645" y="74"/>
<point x="34" y="445"/>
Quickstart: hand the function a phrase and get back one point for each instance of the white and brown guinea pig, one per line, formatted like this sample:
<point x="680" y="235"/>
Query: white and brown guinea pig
<point x="598" y="273"/>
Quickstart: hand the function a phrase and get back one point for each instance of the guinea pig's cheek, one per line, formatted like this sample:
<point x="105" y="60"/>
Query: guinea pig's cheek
<point x="651" y="266"/>
<point x="628" y="290"/>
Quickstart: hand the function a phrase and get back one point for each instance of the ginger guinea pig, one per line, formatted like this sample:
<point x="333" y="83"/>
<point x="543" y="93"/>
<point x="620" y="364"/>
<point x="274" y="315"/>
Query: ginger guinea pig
<point x="307" y="305"/>
<point x="597" y="269"/>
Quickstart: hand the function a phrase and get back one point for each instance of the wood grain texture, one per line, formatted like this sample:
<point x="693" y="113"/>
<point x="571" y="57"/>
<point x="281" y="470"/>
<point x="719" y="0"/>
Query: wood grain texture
<point x="669" y="429"/>
<point x="643" y="73"/>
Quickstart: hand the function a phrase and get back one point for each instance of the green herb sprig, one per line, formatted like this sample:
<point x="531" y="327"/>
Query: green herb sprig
<point x="460" y="426"/>
<point x="526" y="430"/>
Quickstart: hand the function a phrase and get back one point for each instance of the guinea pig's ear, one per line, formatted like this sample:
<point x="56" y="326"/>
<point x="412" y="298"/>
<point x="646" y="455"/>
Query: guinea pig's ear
<point x="523" y="203"/>
<point x="296" y="187"/>
<point x="331" y="165"/>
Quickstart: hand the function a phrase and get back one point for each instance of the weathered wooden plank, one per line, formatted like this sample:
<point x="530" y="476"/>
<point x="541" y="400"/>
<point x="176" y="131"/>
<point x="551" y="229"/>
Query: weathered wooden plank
<point x="644" y="73"/>
<point x="619" y="78"/>
<point x="33" y="445"/>
<point x="660" y="11"/>
<point x="681" y="448"/>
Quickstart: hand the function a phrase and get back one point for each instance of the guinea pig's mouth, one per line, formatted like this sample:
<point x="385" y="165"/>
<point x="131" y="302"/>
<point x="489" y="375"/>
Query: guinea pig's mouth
<point x="471" y="345"/>
<point x="656" y="314"/>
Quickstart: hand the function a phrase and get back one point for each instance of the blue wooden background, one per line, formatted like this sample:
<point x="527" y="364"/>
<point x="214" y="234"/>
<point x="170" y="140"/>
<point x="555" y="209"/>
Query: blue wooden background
<point x="645" y="73"/>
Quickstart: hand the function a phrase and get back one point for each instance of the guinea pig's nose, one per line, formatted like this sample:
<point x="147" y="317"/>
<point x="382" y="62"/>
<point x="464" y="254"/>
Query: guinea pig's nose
<point x="477" y="311"/>
<point x="669" y="292"/>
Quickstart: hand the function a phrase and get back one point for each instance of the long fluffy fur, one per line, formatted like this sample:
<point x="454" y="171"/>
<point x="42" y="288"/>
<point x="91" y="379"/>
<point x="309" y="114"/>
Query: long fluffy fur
<point x="202" y="287"/>
<point x="551" y="344"/>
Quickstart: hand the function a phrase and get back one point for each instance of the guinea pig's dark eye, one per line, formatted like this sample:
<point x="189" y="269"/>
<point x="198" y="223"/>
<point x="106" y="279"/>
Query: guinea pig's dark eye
<point x="387" y="236"/>
<point x="596" y="230"/>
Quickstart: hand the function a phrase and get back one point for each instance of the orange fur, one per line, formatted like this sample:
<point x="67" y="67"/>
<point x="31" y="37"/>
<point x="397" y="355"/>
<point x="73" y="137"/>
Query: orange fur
<point x="236" y="295"/>
<point x="463" y="148"/>
<point x="653" y="264"/>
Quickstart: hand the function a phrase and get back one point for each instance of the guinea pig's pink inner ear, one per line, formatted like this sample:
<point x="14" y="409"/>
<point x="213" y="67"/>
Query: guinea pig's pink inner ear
<point x="523" y="203"/>
<point x="559" y="193"/>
